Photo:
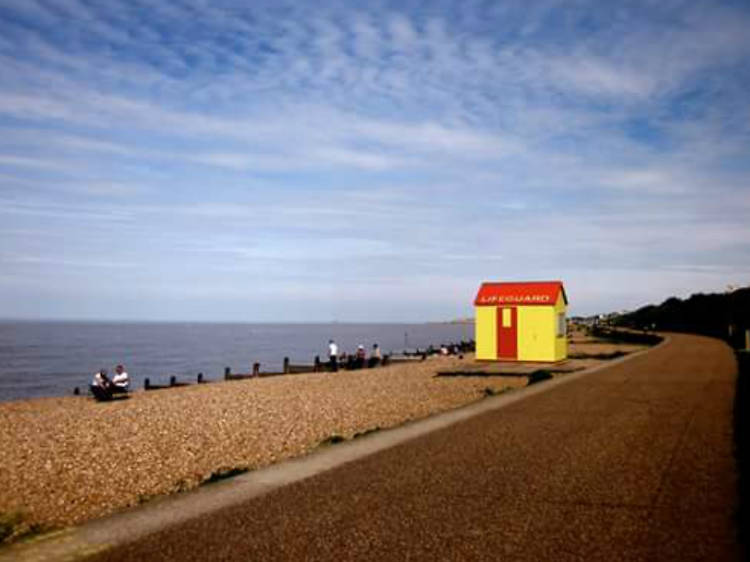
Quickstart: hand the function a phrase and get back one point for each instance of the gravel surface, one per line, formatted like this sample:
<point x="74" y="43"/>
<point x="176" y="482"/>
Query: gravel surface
<point x="66" y="460"/>
<point x="634" y="462"/>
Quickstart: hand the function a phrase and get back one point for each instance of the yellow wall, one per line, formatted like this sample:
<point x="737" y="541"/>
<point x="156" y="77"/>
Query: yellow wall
<point x="485" y="328"/>
<point x="536" y="333"/>
<point x="561" y="343"/>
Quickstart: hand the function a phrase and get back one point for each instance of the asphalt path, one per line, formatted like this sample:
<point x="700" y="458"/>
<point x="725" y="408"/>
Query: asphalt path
<point x="633" y="462"/>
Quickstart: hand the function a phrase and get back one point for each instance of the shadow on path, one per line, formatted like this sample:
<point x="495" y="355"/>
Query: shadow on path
<point x="741" y="445"/>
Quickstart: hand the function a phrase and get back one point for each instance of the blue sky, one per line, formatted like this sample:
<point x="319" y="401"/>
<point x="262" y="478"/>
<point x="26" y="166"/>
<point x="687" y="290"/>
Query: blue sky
<point x="251" y="161"/>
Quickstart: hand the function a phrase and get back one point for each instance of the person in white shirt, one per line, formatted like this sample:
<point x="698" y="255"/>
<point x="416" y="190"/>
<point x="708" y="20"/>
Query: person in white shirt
<point x="101" y="386"/>
<point x="375" y="357"/>
<point x="100" y="379"/>
<point x="121" y="381"/>
<point x="333" y="355"/>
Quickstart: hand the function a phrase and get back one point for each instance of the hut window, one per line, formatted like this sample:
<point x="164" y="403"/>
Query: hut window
<point x="561" y="325"/>
<point x="507" y="318"/>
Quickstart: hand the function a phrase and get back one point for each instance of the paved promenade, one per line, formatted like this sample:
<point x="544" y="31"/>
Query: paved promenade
<point x="633" y="462"/>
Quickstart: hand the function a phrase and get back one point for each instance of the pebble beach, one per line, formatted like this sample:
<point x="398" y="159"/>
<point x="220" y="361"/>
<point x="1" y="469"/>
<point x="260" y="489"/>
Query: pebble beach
<point x="67" y="460"/>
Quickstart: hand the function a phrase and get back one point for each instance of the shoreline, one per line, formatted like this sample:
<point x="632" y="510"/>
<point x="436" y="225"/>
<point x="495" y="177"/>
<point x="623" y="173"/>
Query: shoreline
<point x="70" y="459"/>
<point x="49" y="360"/>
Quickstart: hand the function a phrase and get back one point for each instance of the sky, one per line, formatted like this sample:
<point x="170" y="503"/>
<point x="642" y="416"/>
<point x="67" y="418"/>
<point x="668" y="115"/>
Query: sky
<point x="338" y="161"/>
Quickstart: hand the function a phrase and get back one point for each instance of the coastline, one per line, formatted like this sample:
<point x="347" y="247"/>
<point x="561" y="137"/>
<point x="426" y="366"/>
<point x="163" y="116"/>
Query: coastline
<point x="70" y="459"/>
<point x="44" y="359"/>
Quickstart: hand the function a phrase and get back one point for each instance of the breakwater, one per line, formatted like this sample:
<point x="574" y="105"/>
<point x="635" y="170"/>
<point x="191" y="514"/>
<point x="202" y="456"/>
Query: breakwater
<point x="40" y="359"/>
<point x="346" y="363"/>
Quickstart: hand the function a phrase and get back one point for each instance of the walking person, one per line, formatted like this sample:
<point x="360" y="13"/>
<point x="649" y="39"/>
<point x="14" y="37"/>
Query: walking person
<point x="333" y="356"/>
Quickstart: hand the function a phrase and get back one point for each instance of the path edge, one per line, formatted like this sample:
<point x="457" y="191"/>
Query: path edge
<point x="98" y="535"/>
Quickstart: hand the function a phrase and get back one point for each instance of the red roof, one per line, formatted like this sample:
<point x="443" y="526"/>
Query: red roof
<point x="542" y="293"/>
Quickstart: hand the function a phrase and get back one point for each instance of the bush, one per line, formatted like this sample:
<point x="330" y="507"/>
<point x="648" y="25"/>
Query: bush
<point x="539" y="376"/>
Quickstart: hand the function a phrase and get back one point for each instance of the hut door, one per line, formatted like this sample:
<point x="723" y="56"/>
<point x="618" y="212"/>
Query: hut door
<point x="507" y="332"/>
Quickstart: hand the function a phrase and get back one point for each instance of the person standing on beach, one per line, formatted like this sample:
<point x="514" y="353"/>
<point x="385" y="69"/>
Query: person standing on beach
<point x="333" y="356"/>
<point x="375" y="356"/>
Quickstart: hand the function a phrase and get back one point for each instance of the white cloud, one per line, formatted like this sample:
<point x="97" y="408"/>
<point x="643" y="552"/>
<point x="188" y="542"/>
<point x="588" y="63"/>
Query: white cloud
<point x="594" y="75"/>
<point x="430" y="148"/>
<point x="9" y="160"/>
<point x="647" y="180"/>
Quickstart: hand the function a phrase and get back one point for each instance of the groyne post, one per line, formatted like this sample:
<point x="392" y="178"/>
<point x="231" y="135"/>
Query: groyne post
<point x="147" y="383"/>
<point x="172" y="380"/>
<point x="316" y="364"/>
<point x="286" y="365"/>
<point x="227" y="372"/>
<point x="200" y="378"/>
<point x="256" y="369"/>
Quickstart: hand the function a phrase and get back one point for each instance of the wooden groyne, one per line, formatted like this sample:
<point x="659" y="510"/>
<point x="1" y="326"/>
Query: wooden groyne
<point x="346" y="362"/>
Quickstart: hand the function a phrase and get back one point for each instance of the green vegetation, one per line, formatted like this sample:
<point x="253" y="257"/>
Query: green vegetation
<point x="475" y="373"/>
<point x="333" y="439"/>
<point x="145" y="498"/>
<point x="223" y="474"/>
<point x="8" y="523"/>
<point x="366" y="432"/>
<point x="492" y="391"/>
<point x="13" y="527"/>
<point x="539" y="376"/>
<point x="707" y="314"/>
<point x="604" y="356"/>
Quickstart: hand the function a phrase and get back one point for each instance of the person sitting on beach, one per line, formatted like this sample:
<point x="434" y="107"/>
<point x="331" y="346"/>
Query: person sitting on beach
<point x="101" y="379"/>
<point x="101" y="386"/>
<point x="346" y="361"/>
<point x="121" y="381"/>
<point x="359" y="361"/>
<point x="375" y="356"/>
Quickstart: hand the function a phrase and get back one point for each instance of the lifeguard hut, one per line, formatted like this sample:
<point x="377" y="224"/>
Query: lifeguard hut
<point x="521" y="321"/>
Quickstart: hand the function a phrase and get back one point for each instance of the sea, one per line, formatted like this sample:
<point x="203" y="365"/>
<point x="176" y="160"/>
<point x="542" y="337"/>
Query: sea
<point x="39" y="359"/>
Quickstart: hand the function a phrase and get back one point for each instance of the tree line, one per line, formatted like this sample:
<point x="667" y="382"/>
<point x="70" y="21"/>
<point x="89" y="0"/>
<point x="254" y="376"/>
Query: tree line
<point x="723" y="315"/>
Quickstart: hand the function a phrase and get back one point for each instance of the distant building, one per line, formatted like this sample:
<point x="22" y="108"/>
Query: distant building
<point x="521" y="321"/>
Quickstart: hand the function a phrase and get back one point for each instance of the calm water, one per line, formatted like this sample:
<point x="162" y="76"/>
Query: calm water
<point x="51" y="358"/>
